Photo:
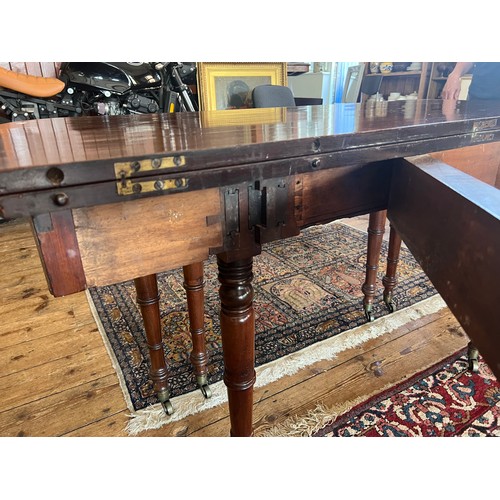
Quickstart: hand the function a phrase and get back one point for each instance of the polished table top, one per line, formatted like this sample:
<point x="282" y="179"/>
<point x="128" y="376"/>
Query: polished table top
<point x="36" y="143"/>
<point x="276" y="141"/>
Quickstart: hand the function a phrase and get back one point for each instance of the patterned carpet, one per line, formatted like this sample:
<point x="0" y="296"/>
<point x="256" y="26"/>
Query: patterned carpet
<point x="444" y="401"/>
<point x="307" y="289"/>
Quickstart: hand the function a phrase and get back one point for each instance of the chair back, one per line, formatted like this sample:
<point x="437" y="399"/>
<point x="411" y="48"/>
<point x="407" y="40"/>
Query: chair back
<point x="272" y="96"/>
<point x="371" y="85"/>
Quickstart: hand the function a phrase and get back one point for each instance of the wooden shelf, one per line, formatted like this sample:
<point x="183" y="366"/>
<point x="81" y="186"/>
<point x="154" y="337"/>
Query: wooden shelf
<point x="396" y="73"/>
<point x="428" y="85"/>
<point x="404" y="82"/>
<point x="297" y="68"/>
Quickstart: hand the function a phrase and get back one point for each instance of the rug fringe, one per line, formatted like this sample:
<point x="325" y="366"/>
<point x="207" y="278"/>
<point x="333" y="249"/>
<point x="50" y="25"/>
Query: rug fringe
<point x="328" y="349"/>
<point x="313" y="421"/>
<point x="154" y="417"/>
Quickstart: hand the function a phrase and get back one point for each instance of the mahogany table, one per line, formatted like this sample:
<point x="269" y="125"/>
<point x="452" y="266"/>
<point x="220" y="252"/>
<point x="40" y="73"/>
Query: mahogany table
<point x="125" y="197"/>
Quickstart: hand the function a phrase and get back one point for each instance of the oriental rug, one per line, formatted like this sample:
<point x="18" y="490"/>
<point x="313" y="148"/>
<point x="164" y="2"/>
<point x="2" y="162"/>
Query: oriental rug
<point x="444" y="400"/>
<point x="308" y="306"/>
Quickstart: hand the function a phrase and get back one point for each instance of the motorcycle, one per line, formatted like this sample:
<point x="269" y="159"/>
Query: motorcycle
<point x="99" y="88"/>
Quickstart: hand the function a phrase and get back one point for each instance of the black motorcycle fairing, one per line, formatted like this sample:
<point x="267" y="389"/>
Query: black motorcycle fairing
<point x="116" y="77"/>
<point x="108" y="89"/>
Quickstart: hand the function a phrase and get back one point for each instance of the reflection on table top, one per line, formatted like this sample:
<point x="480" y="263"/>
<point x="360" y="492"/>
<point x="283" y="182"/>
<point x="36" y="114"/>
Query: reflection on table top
<point x="245" y="135"/>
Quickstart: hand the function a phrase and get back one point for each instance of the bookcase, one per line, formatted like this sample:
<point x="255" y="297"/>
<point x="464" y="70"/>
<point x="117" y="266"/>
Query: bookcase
<point x="400" y="79"/>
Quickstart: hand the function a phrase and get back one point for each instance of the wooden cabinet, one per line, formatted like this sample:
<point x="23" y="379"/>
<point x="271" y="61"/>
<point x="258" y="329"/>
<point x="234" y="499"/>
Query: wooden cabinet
<point x="398" y="80"/>
<point x="428" y="82"/>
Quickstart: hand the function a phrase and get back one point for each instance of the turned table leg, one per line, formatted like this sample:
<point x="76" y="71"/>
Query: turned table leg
<point x="148" y="299"/>
<point x="238" y="341"/>
<point x="376" y="228"/>
<point x="389" y="280"/>
<point x="194" y="286"/>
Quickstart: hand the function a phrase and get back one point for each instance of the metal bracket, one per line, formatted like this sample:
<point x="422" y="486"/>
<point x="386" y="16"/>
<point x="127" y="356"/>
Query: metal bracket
<point x="481" y="125"/>
<point x="257" y="212"/>
<point x="128" y="168"/>
<point x="478" y="137"/>
<point x="274" y="203"/>
<point x="254" y="205"/>
<point x="127" y="187"/>
<point x="232" y="213"/>
<point x="267" y="204"/>
<point x="478" y="131"/>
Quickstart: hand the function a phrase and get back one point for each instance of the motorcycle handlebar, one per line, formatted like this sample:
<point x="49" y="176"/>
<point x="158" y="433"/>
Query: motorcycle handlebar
<point x="161" y="65"/>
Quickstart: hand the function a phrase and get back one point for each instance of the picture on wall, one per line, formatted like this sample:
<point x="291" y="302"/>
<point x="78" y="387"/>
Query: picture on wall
<point x="229" y="85"/>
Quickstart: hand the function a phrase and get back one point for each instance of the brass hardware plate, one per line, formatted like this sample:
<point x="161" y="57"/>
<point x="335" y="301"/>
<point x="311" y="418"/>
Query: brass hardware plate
<point x="128" y="168"/>
<point x="484" y="125"/>
<point x="482" y="137"/>
<point x="128" y="187"/>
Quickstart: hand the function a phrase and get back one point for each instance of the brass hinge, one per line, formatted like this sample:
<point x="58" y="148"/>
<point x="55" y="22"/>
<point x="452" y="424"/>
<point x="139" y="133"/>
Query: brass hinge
<point x="478" y="137"/>
<point x="479" y="129"/>
<point x="127" y="186"/>
<point x="127" y="168"/>
<point x="481" y="125"/>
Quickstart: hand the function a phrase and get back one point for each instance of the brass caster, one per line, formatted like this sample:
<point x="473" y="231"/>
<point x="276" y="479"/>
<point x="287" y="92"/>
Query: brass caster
<point x="391" y="307"/>
<point x="473" y="355"/>
<point x="389" y="303"/>
<point x="368" y="313"/>
<point x="473" y="365"/>
<point x="202" y="382"/>
<point x="164" y="397"/>
<point x="205" y="390"/>
<point x="167" y="407"/>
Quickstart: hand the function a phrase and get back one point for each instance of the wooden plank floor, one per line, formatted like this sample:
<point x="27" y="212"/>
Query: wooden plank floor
<point x="56" y="378"/>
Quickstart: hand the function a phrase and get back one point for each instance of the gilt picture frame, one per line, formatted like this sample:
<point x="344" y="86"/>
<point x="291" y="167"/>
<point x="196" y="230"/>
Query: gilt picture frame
<point x="229" y="85"/>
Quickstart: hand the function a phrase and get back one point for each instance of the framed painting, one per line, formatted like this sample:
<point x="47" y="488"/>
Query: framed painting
<point x="260" y="116"/>
<point x="229" y="85"/>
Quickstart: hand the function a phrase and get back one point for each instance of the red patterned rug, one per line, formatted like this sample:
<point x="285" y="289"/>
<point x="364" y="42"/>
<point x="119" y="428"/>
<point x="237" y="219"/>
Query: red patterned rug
<point x="444" y="400"/>
<point x="450" y="401"/>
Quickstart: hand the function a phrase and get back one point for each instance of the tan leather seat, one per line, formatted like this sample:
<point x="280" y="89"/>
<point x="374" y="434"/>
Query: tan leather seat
<point x="36" y="86"/>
